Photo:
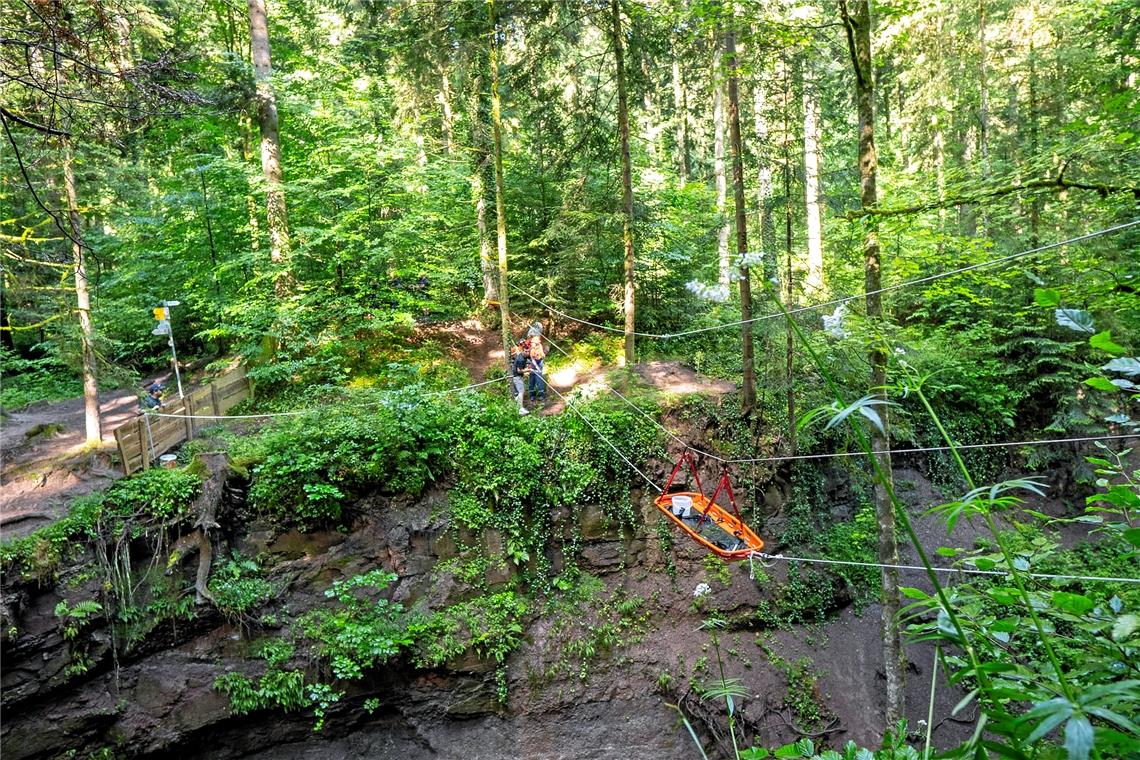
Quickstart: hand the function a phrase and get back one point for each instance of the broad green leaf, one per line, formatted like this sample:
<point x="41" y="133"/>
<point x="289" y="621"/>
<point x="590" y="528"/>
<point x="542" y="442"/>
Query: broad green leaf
<point x="1078" y="737"/>
<point x="865" y="406"/>
<point x="1051" y="720"/>
<point x="1102" y="384"/>
<point x="1129" y="366"/>
<point x="1077" y="320"/>
<point x="1074" y="604"/>
<point x="1103" y="341"/>
<point x="754" y="753"/>
<point x="1046" y="297"/>
<point x="1132" y="536"/>
<point x="912" y="593"/>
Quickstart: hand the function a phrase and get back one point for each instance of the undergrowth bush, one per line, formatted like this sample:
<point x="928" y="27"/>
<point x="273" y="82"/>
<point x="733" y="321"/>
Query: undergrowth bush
<point x="151" y="497"/>
<point x="308" y="468"/>
<point x="27" y="381"/>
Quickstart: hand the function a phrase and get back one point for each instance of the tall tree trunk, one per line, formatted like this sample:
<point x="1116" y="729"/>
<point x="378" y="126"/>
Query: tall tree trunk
<point x="484" y="170"/>
<point x="764" y="177"/>
<point x="789" y="274"/>
<point x="1034" y="145"/>
<point x="651" y="120"/>
<point x="858" y="28"/>
<point x="210" y="236"/>
<point x="276" y="218"/>
<point x="245" y="145"/>
<point x="938" y="123"/>
<point x="500" y="203"/>
<point x="681" y="115"/>
<point x="983" y="106"/>
<point x="83" y="302"/>
<point x="447" y="120"/>
<point x="814" y="278"/>
<point x="724" y="263"/>
<point x="749" y="390"/>
<point x="626" y="183"/>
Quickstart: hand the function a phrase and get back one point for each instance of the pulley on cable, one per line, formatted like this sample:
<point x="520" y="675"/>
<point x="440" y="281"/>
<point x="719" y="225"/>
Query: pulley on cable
<point x="704" y="520"/>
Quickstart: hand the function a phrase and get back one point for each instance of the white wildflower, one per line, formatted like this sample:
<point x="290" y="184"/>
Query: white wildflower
<point x="702" y="589"/>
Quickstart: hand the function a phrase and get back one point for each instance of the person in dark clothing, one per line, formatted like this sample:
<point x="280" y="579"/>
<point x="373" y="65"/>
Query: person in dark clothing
<point x="153" y="397"/>
<point x="519" y="370"/>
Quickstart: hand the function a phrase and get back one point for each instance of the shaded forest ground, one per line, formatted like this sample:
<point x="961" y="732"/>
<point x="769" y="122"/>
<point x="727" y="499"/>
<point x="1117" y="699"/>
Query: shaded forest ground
<point x="45" y="463"/>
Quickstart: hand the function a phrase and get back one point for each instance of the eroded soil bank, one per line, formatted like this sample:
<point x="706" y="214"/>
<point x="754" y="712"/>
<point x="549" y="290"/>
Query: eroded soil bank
<point x="592" y="679"/>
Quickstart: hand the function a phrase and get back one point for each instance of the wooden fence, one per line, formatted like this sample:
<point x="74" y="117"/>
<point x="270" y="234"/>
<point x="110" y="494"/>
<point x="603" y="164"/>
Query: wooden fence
<point x="147" y="437"/>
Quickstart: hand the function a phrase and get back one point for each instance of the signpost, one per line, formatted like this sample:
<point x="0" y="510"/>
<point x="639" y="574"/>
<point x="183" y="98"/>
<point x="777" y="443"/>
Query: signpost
<point x="162" y="315"/>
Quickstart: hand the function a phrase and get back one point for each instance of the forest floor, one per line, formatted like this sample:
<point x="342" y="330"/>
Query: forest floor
<point x="45" y="462"/>
<point x="479" y="349"/>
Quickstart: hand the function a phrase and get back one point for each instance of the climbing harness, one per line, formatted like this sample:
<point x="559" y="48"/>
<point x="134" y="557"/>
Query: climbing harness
<point x="705" y="521"/>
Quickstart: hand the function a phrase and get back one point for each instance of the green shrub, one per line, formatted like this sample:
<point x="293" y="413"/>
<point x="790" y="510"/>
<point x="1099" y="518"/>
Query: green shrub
<point x="492" y="625"/>
<point x="156" y="494"/>
<point x="360" y="632"/>
<point x="27" y="381"/>
<point x="40" y="553"/>
<point x="310" y="467"/>
<point x="238" y="588"/>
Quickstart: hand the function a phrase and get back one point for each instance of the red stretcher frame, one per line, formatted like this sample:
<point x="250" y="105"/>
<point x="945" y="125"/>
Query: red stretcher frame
<point x="731" y="523"/>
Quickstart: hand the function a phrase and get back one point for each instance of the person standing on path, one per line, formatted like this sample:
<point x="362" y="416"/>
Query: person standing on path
<point x="519" y="370"/>
<point x="537" y="357"/>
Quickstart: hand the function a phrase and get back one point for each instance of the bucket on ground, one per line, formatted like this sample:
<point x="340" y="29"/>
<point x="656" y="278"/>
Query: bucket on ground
<point x="169" y="461"/>
<point x="682" y="505"/>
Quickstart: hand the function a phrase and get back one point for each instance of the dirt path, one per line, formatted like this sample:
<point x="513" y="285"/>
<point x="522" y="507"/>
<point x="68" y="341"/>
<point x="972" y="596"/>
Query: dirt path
<point x="44" y="463"/>
<point x="479" y="349"/>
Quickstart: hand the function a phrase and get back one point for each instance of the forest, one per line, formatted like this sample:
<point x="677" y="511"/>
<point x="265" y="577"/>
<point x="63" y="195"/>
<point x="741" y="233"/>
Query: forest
<point x="869" y="269"/>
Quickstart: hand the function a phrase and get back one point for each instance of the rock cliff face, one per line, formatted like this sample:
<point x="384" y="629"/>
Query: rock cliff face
<point x="581" y="685"/>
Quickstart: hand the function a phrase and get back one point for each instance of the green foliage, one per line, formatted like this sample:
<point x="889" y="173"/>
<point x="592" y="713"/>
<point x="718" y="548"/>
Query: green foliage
<point x="277" y="688"/>
<point x="361" y="631"/>
<point x="154" y="495"/>
<point x="587" y="625"/>
<point x="73" y="619"/>
<point x="491" y="625"/>
<point x="28" y="381"/>
<point x="801" y="687"/>
<point x="238" y="588"/>
<point x="308" y="468"/>
<point x="1075" y="646"/>
<point x="40" y="553"/>
<point x="894" y="748"/>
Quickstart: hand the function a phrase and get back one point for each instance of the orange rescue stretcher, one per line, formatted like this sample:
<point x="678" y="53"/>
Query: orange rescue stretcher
<point x="704" y="520"/>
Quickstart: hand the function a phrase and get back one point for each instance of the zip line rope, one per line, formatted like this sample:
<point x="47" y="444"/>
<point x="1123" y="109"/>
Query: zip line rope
<point x="772" y="557"/>
<point x="573" y="407"/>
<point x="838" y="301"/>
<point x="836" y="455"/>
<point x="306" y="411"/>
<point x="953" y="570"/>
